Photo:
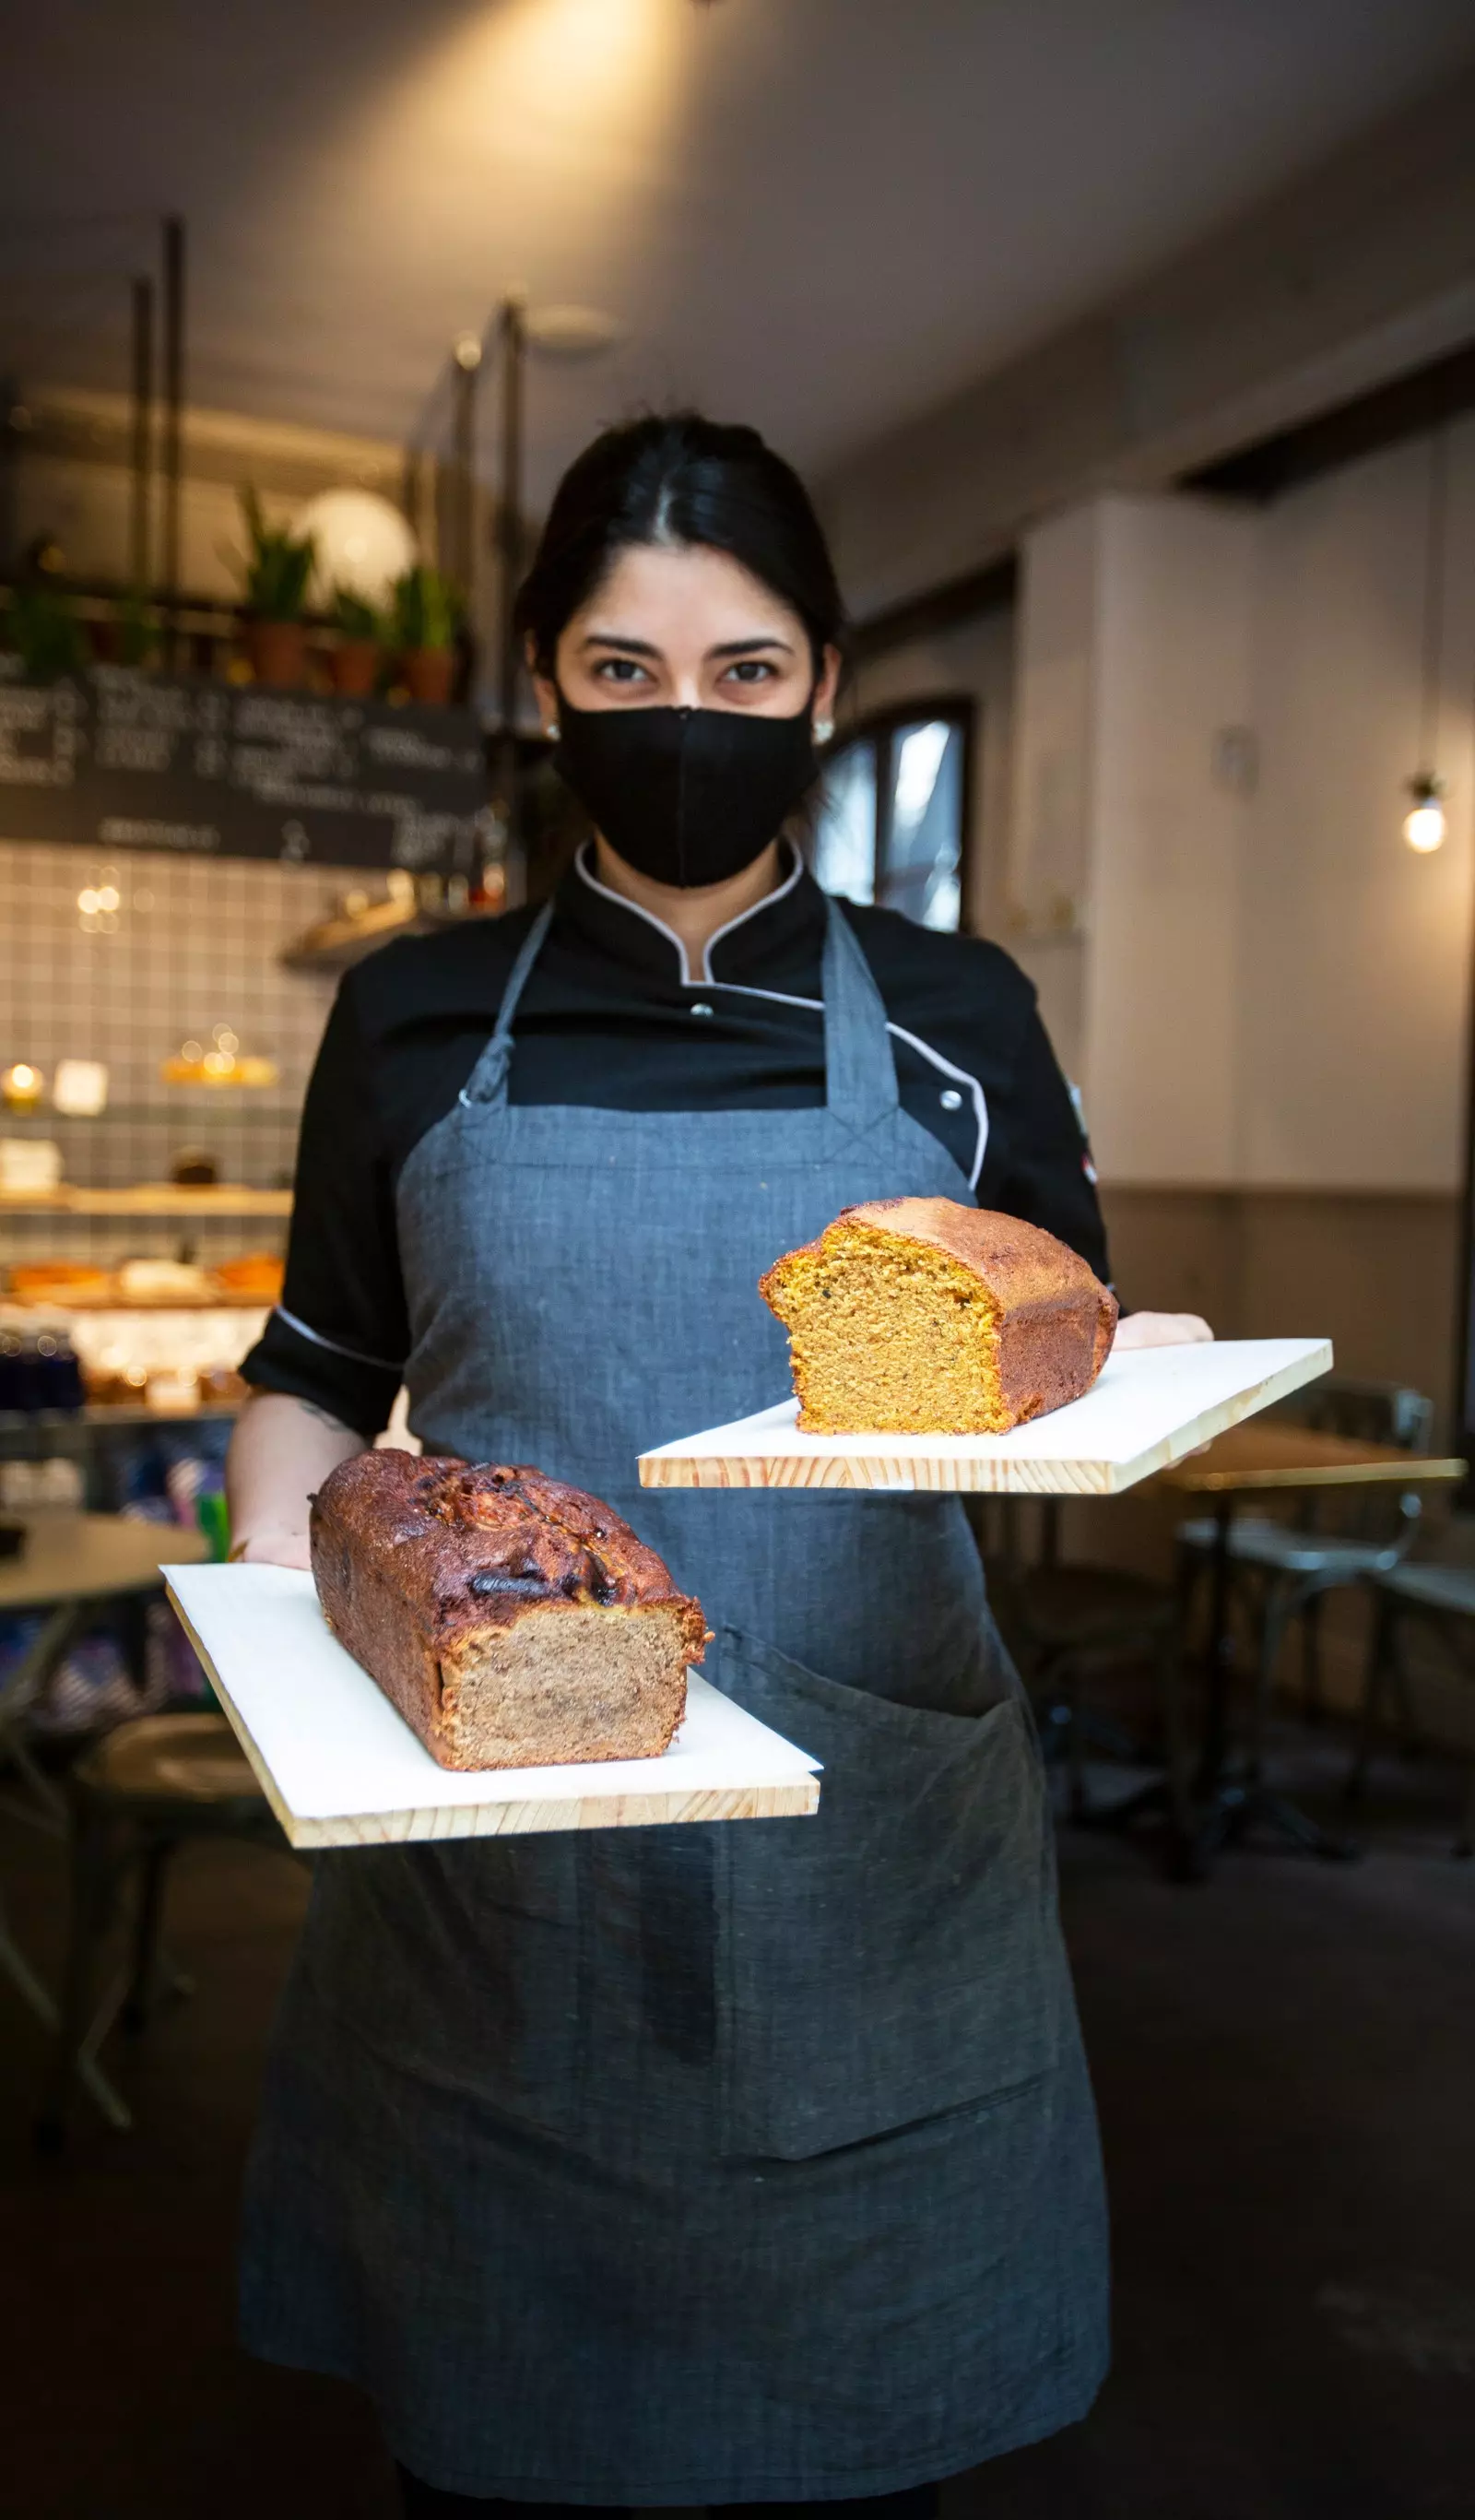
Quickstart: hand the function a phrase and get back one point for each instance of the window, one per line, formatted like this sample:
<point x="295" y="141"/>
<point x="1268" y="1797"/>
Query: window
<point x="894" y="810"/>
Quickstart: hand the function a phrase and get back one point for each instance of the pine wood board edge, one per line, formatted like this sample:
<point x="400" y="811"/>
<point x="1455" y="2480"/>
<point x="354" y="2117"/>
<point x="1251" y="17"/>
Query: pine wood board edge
<point x="986" y="1474"/>
<point x="795" y="1800"/>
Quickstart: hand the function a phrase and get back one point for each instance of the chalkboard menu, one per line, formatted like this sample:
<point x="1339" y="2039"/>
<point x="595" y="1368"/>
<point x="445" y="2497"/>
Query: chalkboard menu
<point x="117" y="759"/>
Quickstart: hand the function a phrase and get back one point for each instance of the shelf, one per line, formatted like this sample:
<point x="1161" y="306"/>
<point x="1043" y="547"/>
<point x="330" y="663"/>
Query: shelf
<point x="59" y="1422"/>
<point x="145" y="1199"/>
<point x="211" y="1103"/>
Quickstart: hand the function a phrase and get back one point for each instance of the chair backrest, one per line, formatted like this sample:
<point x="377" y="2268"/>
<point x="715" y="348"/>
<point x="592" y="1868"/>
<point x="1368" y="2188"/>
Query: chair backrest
<point x="1368" y="1411"/>
<point x="1372" y="1413"/>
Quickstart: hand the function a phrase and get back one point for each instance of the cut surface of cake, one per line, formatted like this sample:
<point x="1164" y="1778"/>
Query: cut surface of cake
<point x="923" y="1317"/>
<point x="512" y="1620"/>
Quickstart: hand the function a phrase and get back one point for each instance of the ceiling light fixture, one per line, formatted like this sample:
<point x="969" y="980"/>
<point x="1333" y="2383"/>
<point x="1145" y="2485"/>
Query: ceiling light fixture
<point x="1424" y="826"/>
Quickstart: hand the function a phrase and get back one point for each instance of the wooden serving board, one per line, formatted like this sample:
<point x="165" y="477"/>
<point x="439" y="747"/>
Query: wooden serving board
<point x="1148" y="1408"/>
<point x="341" y="1768"/>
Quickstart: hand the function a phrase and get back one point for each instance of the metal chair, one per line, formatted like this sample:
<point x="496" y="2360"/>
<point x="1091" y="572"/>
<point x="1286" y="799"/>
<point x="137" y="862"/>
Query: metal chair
<point x="1442" y="1599"/>
<point x="1330" y="1538"/>
<point x="135" y="1796"/>
<point x="1067" y="1623"/>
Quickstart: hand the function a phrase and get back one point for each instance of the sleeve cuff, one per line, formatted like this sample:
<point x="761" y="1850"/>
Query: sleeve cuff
<point x="291" y="1358"/>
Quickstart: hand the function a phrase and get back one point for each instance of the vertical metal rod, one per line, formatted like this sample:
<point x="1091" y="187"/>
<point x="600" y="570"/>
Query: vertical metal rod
<point x="513" y="342"/>
<point x="141" y="436"/>
<point x="464" y="375"/>
<point x="13" y="417"/>
<point x="1432" y="660"/>
<point x="172" y="433"/>
<point x="410" y="491"/>
<point x="510" y="510"/>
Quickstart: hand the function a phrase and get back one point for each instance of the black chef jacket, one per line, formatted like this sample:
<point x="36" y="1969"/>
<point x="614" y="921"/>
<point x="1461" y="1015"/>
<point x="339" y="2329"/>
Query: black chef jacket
<point x="611" y="1017"/>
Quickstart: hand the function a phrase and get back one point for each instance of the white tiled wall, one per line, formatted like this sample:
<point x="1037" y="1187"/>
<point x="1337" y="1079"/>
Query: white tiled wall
<point x="195" y="943"/>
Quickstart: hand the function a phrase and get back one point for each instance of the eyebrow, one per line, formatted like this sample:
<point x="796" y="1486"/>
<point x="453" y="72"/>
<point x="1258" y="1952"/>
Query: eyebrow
<point x="646" y="648"/>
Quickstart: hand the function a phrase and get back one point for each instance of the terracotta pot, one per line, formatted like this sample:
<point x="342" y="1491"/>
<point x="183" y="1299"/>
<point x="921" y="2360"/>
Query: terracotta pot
<point x="278" y="652"/>
<point x="354" y="667"/>
<point x="430" y="673"/>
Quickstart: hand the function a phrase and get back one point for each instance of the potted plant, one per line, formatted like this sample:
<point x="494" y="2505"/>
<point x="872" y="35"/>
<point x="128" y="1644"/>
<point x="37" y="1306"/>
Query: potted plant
<point x="427" y="612"/>
<point x="354" y="662"/>
<point x="135" y="631"/>
<point x="45" y="632"/>
<point x="274" y="583"/>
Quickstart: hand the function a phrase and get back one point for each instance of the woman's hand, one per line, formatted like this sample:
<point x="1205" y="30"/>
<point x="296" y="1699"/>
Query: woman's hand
<point x="272" y="1549"/>
<point x="281" y="1453"/>
<point x="1158" y="1329"/>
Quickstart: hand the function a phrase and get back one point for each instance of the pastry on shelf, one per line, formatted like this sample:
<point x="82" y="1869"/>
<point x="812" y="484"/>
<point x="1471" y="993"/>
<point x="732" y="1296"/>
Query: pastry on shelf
<point x="254" y="1278"/>
<point x="60" y="1282"/>
<point x="115" y="1386"/>
<point x="162" y="1281"/>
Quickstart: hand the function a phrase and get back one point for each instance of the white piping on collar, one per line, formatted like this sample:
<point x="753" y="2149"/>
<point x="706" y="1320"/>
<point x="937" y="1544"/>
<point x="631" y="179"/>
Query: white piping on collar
<point x="924" y="1050"/>
<point x="705" y="978"/>
<point x="743" y="916"/>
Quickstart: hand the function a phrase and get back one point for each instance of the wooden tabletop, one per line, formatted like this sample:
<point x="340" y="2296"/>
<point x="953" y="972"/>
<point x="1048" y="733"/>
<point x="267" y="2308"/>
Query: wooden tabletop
<point x="1268" y="1453"/>
<point x="91" y="1557"/>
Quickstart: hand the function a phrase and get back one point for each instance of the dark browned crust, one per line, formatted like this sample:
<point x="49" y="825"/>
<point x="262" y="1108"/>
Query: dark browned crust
<point x="414" y="1558"/>
<point x="1056" y="1321"/>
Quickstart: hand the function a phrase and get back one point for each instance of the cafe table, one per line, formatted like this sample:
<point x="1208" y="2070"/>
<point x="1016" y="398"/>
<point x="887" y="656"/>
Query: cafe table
<point x="70" y="1568"/>
<point x="1256" y="1460"/>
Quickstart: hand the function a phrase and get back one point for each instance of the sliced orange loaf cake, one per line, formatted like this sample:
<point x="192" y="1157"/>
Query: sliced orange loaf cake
<point x="921" y="1317"/>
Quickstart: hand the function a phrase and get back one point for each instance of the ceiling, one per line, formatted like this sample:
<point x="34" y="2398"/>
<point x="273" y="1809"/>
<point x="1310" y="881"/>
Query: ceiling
<point x="821" y="214"/>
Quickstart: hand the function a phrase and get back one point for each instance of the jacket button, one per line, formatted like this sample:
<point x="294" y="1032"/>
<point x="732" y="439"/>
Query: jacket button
<point x="950" y="1098"/>
<point x="701" y="1011"/>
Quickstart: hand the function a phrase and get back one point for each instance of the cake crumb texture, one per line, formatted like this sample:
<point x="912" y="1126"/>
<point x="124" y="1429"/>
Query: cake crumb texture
<point x="923" y="1317"/>
<point x="514" y="1620"/>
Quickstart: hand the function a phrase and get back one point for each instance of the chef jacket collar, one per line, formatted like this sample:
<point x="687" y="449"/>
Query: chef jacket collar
<point x="784" y="932"/>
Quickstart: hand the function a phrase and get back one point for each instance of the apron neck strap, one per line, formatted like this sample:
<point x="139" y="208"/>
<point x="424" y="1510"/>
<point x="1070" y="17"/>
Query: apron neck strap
<point x="860" y="1072"/>
<point x="488" y="1084"/>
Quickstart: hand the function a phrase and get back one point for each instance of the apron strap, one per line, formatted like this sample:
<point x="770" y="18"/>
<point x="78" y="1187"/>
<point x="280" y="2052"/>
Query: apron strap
<point x="860" y="1072"/>
<point x="486" y="1087"/>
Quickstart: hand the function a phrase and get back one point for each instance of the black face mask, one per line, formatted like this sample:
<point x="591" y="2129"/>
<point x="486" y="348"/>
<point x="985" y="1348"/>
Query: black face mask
<point x="686" y="796"/>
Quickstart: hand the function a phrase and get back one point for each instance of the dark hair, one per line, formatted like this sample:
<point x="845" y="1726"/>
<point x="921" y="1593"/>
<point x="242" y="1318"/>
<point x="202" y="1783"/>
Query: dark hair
<point x="679" y="479"/>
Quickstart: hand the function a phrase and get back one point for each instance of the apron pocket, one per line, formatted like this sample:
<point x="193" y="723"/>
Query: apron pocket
<point x="898" y="1954"/>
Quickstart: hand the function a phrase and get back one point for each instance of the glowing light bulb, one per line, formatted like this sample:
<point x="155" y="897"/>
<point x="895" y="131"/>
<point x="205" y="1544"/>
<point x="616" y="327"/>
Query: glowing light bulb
<point x="1424" y="826"/>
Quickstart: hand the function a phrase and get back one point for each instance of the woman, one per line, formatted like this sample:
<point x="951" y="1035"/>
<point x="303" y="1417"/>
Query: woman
<point x="693" y="2166"/>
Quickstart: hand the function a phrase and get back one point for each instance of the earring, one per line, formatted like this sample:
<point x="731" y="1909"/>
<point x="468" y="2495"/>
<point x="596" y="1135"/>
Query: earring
<point x="824" y="729"/>
<point x="551" y="730"/>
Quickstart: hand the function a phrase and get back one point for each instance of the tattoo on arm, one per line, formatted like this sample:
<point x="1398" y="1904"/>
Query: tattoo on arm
<point x="325" y="1417"/>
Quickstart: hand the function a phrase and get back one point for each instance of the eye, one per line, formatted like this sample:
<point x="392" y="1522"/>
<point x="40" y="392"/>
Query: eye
<point x="750" y="669"/>
<point x="620" y="669"/>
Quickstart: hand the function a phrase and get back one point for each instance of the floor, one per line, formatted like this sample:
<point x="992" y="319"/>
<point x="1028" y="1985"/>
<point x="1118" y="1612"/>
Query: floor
<point x="1284" y="2059"/>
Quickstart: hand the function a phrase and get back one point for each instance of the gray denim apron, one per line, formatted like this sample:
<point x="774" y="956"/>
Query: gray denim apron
<point x="710" y="2164"/>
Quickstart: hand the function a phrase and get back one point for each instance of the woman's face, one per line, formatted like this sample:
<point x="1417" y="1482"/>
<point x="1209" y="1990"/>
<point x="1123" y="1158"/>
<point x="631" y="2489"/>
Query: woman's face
<point x="686" y="628"/>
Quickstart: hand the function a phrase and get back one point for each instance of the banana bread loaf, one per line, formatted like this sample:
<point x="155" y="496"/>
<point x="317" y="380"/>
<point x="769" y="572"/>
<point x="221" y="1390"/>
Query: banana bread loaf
<point x="514" y="1621"/>
<point x="921" y="1317"/>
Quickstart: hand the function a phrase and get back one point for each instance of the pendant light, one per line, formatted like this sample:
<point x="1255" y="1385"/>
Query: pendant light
<point x="1424" y="823"/>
